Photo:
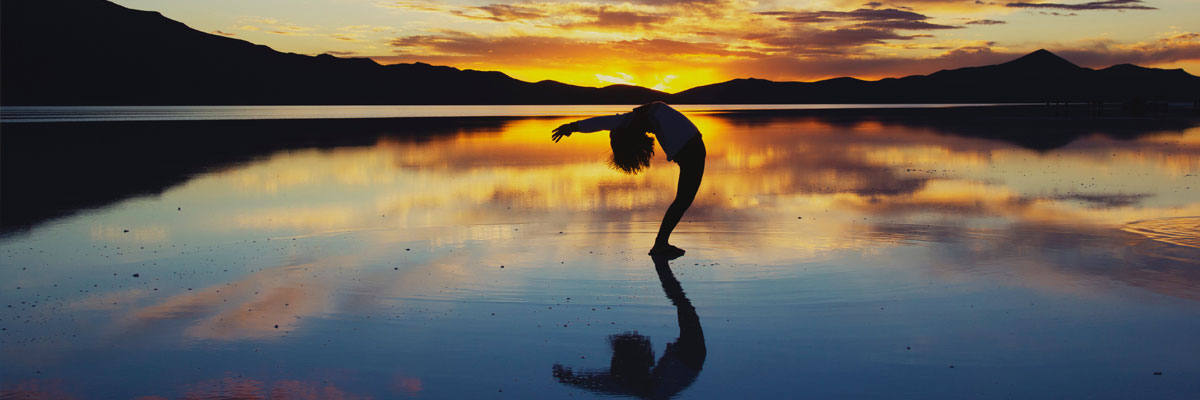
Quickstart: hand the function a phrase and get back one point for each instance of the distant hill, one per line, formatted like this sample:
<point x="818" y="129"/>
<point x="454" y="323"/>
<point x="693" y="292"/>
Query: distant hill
<point x="94" y="52"/>
<point x="1037" y="77"/>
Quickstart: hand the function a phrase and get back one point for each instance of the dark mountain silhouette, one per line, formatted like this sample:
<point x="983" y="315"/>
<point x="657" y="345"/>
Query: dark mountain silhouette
<point x="77" y="52"/>
<point x="1036" y="77"/>
<point x="94" y="52"/>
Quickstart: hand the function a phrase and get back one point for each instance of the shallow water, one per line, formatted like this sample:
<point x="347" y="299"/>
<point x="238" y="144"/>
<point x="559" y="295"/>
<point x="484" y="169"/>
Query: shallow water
<point x="826" y="259"/>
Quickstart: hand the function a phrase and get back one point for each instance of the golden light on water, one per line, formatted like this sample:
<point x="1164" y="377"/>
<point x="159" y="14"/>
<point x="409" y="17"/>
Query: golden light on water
<point x="755" y="168"/>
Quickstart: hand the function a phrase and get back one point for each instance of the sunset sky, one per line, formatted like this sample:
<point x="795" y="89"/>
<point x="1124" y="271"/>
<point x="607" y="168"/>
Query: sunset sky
<point x="676" y="45"/>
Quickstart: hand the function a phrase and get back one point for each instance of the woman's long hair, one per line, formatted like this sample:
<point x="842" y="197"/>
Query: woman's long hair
<point x="632" y="148"/>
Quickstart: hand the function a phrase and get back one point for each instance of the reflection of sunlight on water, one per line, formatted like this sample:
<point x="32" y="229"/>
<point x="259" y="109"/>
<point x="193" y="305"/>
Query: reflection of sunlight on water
<point x="267" y="303"/>
<point x="759" y="169"/>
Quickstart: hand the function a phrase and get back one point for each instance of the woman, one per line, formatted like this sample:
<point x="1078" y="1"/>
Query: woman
<point x="632" y="150"/>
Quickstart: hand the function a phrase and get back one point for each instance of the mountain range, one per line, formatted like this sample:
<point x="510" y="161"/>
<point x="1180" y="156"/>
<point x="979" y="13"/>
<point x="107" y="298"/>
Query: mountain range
<point x="94" y="52"/>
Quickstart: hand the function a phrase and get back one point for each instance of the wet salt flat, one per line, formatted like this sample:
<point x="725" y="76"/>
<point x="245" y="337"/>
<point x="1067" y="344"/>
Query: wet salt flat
<point x="827" y="258"/>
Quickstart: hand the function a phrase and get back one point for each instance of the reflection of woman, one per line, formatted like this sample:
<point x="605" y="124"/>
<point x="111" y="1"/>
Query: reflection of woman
<point x="633" y="371"/>
<point x="632" y="150"/>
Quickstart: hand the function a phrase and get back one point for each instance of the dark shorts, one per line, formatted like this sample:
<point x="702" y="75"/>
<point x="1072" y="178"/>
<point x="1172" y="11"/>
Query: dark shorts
<point x="692" y="153"/>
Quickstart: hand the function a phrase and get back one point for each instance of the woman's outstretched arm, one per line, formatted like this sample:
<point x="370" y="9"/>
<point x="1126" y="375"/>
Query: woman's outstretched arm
<point x="594" y="124"/>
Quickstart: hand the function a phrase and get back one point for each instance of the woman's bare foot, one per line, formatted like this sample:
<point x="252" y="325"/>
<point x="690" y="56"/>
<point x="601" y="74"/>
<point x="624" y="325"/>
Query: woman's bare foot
<point x="667" y="251"/>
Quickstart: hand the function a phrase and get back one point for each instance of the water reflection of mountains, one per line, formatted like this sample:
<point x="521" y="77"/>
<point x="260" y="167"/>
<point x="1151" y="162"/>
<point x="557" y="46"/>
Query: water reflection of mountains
<point x="50" y="170"/>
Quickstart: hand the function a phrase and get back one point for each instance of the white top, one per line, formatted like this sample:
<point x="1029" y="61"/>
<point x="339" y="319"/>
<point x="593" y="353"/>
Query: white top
<point x="671" y="127"/>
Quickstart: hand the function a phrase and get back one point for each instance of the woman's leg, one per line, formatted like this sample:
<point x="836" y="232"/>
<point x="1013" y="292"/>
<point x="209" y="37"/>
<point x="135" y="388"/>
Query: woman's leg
<point x="691" y="172"/>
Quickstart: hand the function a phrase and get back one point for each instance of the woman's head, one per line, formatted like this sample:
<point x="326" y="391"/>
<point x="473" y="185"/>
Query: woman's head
<point x="632" y="147"/>
<point x="632" y="150"/>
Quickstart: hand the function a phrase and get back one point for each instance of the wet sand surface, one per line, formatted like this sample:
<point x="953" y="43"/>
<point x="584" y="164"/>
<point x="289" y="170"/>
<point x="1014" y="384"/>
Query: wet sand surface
<point x="853" y="257"/>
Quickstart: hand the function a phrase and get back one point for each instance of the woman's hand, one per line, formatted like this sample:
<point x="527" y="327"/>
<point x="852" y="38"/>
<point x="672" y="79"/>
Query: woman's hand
<point x="562" y="130"/>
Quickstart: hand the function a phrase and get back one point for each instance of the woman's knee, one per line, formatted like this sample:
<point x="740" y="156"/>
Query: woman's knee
<point x="686" y="193"/>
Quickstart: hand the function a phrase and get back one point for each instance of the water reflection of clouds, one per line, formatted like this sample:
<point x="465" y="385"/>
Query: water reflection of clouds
<point x="757" y="166"/>
<point x="839" y="179"/>
<point x="272" y="302"/>
<point x="263" y="304"/>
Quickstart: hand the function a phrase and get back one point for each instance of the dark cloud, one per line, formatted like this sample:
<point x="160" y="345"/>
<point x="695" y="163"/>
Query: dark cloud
<point x="1094" y="5"/>
<point x="825" y="42"/>
<point x="873" y="4"/>
<point x="595" y="16"/>
<point x="340" y="53"/>
<point x="218" y="32"/>
<point x="859" y="27"/>
<point x="906" y="25"/>
<point x="862" y="14"/>
<point x="881" y="21"/>
<point x="465" y="45"/>
<point x="985" y="22"/>
<point x="610" y="17"/>
<point x="458" y="47"/>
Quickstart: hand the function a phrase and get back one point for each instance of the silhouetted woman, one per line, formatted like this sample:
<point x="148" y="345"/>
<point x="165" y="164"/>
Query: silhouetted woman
<point x="632" y="150"/>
